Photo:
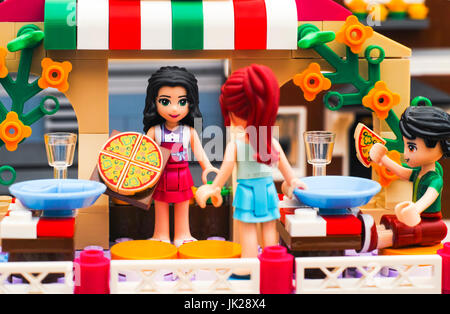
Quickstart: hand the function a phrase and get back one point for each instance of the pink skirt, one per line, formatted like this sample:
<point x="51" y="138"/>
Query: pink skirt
<point x="175" y="185"/>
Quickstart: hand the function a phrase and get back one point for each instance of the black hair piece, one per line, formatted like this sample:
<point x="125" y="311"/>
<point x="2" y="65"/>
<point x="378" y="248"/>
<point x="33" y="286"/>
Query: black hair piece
<point x="171" y="76"/>
<point x="432" y="124"/>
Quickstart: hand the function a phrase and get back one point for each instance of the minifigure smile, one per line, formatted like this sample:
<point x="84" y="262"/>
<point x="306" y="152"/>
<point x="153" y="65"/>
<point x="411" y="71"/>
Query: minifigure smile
<point x="174" y="115"/>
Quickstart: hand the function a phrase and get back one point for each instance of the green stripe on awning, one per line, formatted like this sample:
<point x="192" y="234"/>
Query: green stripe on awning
<point x="187" y="25"/>
<point x="60" y="25"/>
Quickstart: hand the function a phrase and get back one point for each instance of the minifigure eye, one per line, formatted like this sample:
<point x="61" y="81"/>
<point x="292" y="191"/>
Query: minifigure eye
<point x="412" y="148"/>
<point x="164" y="101"/>
<point x="183" y="102"/>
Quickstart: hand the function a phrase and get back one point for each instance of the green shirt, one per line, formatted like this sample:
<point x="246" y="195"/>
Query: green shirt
<point x="432" y="179"/>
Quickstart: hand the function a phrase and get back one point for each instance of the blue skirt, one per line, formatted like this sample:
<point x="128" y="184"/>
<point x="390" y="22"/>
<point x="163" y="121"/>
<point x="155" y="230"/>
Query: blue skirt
<point x="256" y="200"/>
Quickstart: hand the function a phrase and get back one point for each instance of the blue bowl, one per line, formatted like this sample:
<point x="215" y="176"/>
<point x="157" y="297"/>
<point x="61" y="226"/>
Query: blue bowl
<point x="55" y="194"/>
<point x="337" y="192"/>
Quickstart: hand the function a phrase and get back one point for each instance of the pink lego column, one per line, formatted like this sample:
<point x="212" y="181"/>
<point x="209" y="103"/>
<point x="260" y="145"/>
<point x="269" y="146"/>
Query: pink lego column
<point x="445" y="254"/>
<point x="276" y="272"/>
<point x="92" y="271"/>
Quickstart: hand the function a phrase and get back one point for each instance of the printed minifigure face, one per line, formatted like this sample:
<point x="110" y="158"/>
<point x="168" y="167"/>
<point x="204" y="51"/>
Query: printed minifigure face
<point x="417" y="154"/>
<point x="172" y="103"/>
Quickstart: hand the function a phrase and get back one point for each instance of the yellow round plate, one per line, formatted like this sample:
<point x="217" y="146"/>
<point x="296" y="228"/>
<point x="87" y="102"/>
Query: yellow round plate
<point x="207" y="249"/>
<point x="417" y="250"/>
<point x="143" y="250"/>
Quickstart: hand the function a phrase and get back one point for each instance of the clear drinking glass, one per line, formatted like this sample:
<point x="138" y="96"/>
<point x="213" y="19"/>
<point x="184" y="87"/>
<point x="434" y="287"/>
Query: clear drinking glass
<point x="60" y="148"/>
<point x="319" y="150"/>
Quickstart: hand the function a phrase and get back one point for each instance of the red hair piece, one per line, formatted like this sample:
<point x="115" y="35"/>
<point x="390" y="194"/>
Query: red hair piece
<point x="253" y="94"/>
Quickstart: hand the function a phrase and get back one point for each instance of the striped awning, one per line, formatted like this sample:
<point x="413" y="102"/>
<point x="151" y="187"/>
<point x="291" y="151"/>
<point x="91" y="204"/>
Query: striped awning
<point x="171" y="24"/>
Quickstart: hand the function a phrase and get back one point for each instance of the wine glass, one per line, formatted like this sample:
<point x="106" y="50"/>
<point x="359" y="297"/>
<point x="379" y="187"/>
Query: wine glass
<point x="60" y="148"/>
<point x="319" y="150"/>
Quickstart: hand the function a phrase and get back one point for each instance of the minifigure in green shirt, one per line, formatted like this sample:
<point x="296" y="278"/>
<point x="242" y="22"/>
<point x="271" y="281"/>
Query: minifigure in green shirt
<point x="426" y="135"/>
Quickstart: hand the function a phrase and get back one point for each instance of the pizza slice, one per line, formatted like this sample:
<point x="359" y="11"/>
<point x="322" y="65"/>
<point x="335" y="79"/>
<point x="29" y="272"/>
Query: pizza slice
<point x="365" y="138"/>
<point x="123" y="144"/>
<point x="111" y="169"/>
<point x="148" y="153"/>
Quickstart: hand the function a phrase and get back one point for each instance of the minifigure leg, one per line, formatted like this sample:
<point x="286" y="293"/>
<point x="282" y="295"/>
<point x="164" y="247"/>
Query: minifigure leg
<point x="182" y="228"/>
<point x="269" y="233"/>
<point x="248" y="239"/>
<point x="162" y="228"/>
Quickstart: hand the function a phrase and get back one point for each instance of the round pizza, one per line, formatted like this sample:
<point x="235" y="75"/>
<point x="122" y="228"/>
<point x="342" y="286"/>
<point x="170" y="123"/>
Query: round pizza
<point x="130" y="163"/>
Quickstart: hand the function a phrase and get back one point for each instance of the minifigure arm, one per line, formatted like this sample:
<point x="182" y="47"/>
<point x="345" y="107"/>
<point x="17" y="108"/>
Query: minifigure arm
<point x="151" y="133"/>
<point x="291" y="181"/>
<point x="409" y="212"/>
<point x="213" y="190"/>
<point x="427" y="199"/>
<point x="226" y="169"/>
<point x="283" y="163"/>
<point x="378" y="154"/>
<point x="198" y="150"/>
<point x="401" y="172"/>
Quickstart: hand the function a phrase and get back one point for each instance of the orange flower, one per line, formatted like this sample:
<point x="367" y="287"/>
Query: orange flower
<point x="397" y="6"/>
<point x="354" y="34"/>
<point x="381" y="100"/>
<point x="13" y="131"/>
<point x="55" y="75"/>
<point x="312" y="81"/>
<point x="3" y="69"/>
<point x="357" y="6"/>
<point x="418" y="11"/>
<point x="385" y="176"/>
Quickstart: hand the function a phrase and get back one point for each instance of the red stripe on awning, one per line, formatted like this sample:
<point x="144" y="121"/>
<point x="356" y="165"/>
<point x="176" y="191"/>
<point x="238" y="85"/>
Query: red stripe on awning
<point x="125" y="24"/>
<point x="250" y="24"/>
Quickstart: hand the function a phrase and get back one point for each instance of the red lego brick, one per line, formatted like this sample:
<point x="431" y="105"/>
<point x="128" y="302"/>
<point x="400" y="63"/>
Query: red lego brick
<point x="56" y="227"/>
<point x="321" y="10"/>
<point x="125" y="25"/>
<point x="250" y="24"/>
<point x="343" y="225"/>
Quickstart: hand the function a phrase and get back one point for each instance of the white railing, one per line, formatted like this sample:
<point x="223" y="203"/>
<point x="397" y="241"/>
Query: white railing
<point x="184" y="276"/>
<point x="32" y="274"/>
<point x="414" y="274"/>
<point x="372" y="274"/>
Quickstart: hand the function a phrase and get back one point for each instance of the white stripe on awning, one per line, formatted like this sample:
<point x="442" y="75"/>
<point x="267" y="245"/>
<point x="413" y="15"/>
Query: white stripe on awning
<point x="218" y="25"/>
<point x="282" y="23"/>
<point x="156" y="25"/>
<point x="93" y="24"/>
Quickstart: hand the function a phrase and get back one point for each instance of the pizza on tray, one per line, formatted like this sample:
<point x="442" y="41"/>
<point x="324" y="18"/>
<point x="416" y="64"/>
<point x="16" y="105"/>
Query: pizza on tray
<point x="130" y="163"/>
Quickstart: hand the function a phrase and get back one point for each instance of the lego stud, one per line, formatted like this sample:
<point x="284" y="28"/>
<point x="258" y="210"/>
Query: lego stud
<point x="13" y="131"/>
<point x="381" y="100"/>
<point x="305" y="214"/>
<point x="3" y="68"/>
